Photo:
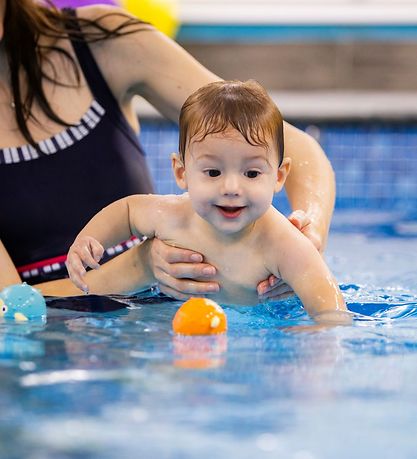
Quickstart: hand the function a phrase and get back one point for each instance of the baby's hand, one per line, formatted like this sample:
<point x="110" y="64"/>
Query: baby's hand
<point x="85" y="251"/>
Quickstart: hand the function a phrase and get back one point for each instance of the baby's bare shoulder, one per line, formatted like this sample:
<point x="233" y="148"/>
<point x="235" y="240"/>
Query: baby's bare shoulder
<point x="273" y="224"/>
<point x="174" y="208"/>
<point x="283" y="244"/>
<point x="278" y="234"/>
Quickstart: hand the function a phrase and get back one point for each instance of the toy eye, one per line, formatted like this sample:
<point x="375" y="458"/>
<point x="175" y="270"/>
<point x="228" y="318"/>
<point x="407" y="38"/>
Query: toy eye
<point x="4" y="308"/>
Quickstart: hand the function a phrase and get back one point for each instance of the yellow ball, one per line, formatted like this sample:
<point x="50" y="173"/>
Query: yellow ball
<point x="163" y="14"/>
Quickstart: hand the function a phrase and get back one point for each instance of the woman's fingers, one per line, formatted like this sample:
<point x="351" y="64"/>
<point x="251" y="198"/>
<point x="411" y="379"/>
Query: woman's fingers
<point x="304" y="223"/>
<point x="186" y="289"/>
<point x="172" y="254"/>
<point x="278" y="293"/>
<point x="177" y="271"/>
<point x="313" y="235"/>
<point x="173" y="293"/>
<point x="181" y="270"/>
<point x="299" y="219"/>
<point x="188" y="270"/>
<point x="185" y="286"/>
<point x="269" y="284"/>
<point x="274" y="289"/>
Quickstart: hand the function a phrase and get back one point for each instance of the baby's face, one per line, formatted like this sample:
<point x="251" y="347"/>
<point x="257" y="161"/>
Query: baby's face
<point x="230" y="182"/>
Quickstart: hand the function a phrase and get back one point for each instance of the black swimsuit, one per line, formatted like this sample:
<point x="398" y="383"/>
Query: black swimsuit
<point x="47" y="198"/>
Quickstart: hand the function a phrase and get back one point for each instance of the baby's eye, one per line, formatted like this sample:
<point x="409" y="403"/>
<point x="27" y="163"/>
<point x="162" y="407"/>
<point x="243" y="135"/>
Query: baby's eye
<point x="252" y="174"/>
<point x="212" y="172"/>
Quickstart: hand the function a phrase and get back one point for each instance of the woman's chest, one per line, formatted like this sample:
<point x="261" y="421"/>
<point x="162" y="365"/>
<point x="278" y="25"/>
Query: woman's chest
<point x="68" y="104"/>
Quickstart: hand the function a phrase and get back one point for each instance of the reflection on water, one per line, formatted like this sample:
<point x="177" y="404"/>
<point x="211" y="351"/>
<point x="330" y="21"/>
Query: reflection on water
<point x="199" y="352"/>
<point x="18" y="342"/>
<point x="120" y="384"/>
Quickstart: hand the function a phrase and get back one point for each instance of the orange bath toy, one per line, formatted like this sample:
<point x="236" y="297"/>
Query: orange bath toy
<point x="199" y="316"/>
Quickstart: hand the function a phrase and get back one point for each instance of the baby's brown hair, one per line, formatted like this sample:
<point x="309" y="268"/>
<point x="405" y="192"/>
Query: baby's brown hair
<point x="241" y="105"/>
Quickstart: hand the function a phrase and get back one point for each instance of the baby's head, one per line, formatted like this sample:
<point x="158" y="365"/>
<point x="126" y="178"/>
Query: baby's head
<point x="224" y="105"/>
<point x="231" y="153"/>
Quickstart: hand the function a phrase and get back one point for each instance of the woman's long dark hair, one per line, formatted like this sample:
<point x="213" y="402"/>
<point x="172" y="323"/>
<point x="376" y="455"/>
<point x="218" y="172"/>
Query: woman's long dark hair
<point x="24" y="23"/>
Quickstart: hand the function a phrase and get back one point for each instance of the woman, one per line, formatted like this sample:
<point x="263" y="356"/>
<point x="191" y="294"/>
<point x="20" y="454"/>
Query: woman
<point x="68" y="140"/>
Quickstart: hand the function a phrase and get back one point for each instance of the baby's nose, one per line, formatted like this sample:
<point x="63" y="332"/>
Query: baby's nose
<point x="231" y="185"/>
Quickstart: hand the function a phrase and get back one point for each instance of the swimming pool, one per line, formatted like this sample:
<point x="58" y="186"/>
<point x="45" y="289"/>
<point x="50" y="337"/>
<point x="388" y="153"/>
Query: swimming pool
<point x="119" y="384"/>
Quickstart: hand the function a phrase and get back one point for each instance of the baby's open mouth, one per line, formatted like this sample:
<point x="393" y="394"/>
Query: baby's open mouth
<point x="230" y="212"/>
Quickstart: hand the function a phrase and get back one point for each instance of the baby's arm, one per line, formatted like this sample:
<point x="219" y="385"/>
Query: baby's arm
<point x="303" y="268"/>
<point x="127" y="273"/>
<point x="131" y="216"/>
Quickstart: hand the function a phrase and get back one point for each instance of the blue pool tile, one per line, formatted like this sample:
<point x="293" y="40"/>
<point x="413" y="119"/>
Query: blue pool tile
<point x="375" y="162"/>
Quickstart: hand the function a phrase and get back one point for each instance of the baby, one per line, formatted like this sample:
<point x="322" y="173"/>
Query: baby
<point x="230" y="162"/>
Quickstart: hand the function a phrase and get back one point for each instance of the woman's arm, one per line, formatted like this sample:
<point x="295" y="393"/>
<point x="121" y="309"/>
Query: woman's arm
<point x="8" y="272"/>
<point x="310" y="185"/>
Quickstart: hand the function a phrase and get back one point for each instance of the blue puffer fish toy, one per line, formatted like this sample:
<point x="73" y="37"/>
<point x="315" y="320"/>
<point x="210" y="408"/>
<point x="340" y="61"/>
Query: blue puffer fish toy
<point x="21" y="302"/>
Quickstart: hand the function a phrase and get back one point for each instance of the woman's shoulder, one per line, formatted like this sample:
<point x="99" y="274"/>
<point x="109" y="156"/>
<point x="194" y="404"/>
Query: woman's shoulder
<point x="99" y="13"/>
<point x="112" y="18"/>
<point x="125" y="56"/>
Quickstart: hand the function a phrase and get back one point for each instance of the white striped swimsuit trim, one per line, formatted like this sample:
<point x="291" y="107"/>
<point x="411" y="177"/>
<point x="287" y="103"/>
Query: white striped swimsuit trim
<point x="60" y="265"/>
<point x="59" y="141"/>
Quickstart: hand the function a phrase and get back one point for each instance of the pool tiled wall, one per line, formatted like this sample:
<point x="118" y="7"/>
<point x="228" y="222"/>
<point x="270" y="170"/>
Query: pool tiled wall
<point x="375" y="162"/>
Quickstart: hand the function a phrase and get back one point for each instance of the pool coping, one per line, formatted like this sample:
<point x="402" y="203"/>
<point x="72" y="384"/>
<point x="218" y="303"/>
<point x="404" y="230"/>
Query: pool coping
<point x="333" y="105"/>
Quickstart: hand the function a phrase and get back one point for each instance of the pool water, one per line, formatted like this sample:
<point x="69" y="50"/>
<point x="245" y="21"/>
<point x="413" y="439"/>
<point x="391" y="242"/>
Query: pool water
<point x="118" y="384"/>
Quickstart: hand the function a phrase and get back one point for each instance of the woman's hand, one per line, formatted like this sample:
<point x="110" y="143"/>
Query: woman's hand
<point x="303" y="222"/>
<point x="177" y="271"/>
<point x="85" y="251"/>
<point x="274" y="288"/>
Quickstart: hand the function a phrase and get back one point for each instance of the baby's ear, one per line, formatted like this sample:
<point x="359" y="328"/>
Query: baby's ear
<point x="282" y="174"/>
<point x="179" y="171"/>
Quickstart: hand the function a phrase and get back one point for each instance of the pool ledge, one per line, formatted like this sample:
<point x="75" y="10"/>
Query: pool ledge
<point x="331" y="105"/>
